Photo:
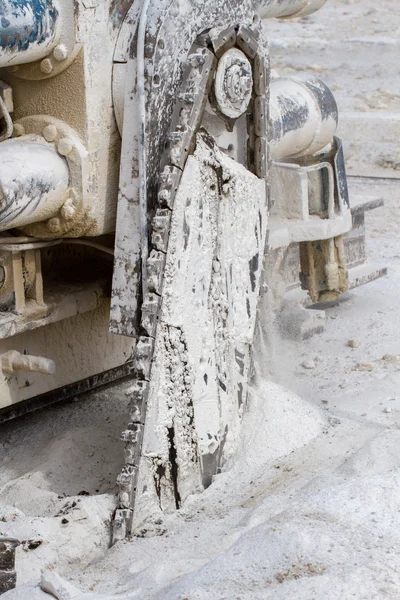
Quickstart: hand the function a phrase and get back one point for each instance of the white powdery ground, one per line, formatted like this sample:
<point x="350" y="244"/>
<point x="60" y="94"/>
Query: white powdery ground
<point x="310" y="508"/>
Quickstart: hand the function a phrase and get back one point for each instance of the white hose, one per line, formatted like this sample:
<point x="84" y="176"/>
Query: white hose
<point x="21" y="244"/>
<point x="86" y="242"/>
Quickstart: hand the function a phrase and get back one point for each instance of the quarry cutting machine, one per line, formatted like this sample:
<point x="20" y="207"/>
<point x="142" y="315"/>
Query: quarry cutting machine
<point x="150" y="155"/>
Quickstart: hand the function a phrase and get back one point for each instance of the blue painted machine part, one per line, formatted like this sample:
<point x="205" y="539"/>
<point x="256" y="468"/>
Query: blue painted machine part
<point x="27" y="30"/>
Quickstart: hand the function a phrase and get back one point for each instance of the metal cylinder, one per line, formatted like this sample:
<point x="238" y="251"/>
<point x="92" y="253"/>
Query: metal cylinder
<point x="303" y="117"/>
<point x="34" y="182"/>
<point x="8" y="576"/>
<point x="289" y="8"/>
<point x="28" y="30"/>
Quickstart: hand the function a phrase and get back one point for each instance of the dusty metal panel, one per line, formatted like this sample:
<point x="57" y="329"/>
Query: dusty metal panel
<point x="79" y="344"/>
<point x="67" y="392"/>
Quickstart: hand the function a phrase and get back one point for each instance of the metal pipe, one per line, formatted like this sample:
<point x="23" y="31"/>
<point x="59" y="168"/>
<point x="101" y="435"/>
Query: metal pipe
<point x="303" y="117"/>
<point x="34" y="182"/>
<point x="289" y="8"/>
<point x="28" y="30"/>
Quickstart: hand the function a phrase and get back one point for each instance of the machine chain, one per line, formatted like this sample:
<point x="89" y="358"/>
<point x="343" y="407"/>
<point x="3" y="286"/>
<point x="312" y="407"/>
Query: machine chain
<point x="186" y="120"/>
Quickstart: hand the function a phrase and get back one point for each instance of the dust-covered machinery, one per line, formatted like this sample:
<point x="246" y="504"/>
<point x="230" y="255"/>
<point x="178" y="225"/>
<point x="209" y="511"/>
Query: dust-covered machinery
<point x="149" y="155"/>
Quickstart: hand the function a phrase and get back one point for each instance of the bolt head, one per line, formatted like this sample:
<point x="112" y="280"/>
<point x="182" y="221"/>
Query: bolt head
<point x="233" y="83"/>
<point x="50" y="133"/>
<point x="68" y="210"/>
<point x="46" y="66"/>
<point x="54" y="225"/>
<point x="60" y="52"/>
<point x="18" y="130"/>
<point x="65" y="146"/>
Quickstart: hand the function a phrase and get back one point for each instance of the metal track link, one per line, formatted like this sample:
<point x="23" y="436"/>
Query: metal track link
<point x="186" y="120"/>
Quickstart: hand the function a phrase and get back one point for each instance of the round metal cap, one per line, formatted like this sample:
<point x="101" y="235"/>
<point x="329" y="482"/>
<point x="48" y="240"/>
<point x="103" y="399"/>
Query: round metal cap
<point x="233" y="83"/>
